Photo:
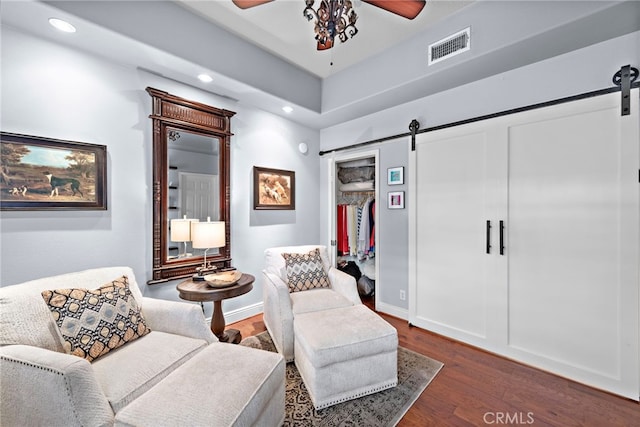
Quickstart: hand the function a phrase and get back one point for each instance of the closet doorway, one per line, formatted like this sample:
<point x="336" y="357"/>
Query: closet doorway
<point x="354" y="230"/>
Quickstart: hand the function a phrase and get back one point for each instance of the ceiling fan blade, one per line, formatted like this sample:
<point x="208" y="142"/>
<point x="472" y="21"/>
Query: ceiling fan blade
<point x="406" y="8"/>
<point x="246" y="4"/>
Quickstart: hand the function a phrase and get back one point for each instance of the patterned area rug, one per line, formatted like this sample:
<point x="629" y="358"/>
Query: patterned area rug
<point x="384" y="408"/>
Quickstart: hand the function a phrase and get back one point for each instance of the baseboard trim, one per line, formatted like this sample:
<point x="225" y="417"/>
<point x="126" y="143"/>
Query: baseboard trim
<point x="257" y="308"/>
<point x="392" y="310"/>
<point x="241" y="313"/>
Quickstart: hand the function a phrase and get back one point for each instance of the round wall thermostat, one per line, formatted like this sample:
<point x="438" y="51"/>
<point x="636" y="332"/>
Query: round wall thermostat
<point x="303" y="148"/>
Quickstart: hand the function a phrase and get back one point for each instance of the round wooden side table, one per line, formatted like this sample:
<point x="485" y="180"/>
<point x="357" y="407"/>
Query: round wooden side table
<point x="200" y="291"/>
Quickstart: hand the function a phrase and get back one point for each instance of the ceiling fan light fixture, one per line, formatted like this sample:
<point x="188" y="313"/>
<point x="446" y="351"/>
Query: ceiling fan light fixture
<point x="333" y="18"/>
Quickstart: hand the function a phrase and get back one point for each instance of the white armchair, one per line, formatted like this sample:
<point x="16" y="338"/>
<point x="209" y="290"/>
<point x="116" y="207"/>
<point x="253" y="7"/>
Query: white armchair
<point x="281" y="307"/>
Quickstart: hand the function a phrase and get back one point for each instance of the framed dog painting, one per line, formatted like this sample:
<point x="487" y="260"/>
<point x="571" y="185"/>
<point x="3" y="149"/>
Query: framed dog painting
<point x="274" y="189"/>
<point x="39" y="173"/>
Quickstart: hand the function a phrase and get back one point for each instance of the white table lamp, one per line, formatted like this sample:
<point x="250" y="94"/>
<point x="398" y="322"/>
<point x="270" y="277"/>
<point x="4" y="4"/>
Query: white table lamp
<point x="181" y="232"/>
<point x="207" y="235"/>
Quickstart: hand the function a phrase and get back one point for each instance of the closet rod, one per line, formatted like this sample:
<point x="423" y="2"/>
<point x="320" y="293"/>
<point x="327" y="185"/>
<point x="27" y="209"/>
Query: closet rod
<point x="485" y="117"/>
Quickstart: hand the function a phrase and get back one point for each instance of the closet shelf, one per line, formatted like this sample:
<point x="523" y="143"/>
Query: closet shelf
<point x="359" y="192"/>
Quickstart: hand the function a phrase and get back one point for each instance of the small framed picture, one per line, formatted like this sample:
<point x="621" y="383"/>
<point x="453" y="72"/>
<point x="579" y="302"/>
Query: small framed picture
<point x="274" y="189"/>
<point x="395" y="176"/>
<point x="396" y="200"/>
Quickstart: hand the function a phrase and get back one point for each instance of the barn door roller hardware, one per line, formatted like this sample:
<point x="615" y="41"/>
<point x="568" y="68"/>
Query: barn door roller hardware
<point x="413" y="127"/>
<point x="625" y="78"/>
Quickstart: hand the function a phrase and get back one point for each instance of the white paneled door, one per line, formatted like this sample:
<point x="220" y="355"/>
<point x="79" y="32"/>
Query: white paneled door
<point x="451" y="173"/>
<point x="554" y="281"/>
<point x="200" y="196"/>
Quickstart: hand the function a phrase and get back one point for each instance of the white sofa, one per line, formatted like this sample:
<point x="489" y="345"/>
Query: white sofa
<point x="178" y="374"/>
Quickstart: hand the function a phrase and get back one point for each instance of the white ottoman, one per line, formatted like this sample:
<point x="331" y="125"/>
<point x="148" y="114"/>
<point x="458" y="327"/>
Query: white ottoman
<point x="223" y="385"/>
<point x="345" y="353"/>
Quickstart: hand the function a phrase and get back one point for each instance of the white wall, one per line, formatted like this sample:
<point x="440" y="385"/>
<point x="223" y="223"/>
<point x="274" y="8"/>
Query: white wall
<point x="49" y="90"/>
<point x="53" y="91"/>
<point x="583" y="70"/>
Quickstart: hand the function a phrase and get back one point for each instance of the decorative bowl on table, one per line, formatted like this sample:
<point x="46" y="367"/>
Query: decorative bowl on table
<point x="223" y="279"/>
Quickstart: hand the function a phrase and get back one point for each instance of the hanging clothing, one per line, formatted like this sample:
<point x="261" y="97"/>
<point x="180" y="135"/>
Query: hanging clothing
<point x="352" y="217"/>
<point x="372" y="240"/>
<point x="343" y="238"/>
<point x="364" y="231"/>
<point x="354" y="229"/>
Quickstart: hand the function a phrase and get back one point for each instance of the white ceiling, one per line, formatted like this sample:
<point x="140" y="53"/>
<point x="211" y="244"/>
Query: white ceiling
<point x="280" y="28"/>
<point x="170" y="40"/>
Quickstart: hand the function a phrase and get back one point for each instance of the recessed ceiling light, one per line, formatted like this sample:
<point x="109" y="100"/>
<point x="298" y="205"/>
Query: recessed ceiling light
<point x="206" y="78"/>
<point x="61" y="25"/>
<point x="287" y="109"/>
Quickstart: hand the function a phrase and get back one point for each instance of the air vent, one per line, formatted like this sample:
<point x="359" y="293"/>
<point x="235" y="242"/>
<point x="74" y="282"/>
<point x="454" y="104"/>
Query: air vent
<point x="450" y="46"/>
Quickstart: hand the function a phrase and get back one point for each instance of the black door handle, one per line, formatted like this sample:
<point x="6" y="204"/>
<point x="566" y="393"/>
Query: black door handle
<point x="501" y="237"/>
<point x="488" y="239"/>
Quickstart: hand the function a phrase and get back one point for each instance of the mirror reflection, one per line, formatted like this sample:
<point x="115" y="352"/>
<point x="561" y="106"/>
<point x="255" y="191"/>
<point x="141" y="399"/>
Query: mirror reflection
<point x="193" y="189"/>
<point x="191" y="173"/>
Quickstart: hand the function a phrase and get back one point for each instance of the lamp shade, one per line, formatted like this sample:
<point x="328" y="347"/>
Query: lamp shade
<point x="210" y="234"/>
<point x="181" y="229"/>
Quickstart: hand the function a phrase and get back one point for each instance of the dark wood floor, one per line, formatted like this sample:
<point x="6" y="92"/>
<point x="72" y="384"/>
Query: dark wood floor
<point x="478" y="388"/>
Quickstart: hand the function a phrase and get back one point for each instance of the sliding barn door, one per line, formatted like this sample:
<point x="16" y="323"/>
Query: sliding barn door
<point x="554" y="281"/>
<point x="456" y="201"/>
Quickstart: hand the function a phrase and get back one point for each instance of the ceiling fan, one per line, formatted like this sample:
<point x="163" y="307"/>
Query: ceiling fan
<point x="337" y="17"/>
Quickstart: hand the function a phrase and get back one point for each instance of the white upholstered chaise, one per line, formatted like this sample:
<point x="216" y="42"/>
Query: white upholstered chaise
<point x="342" y="349"/>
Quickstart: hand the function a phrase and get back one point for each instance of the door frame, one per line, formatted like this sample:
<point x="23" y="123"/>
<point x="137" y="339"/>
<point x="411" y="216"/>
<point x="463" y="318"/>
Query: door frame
<point x="332" y="163"/>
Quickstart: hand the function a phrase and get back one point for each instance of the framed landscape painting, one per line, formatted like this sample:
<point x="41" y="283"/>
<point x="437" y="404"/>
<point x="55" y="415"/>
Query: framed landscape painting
<point x="274" y="189"/>
<point x="39" y="173"/>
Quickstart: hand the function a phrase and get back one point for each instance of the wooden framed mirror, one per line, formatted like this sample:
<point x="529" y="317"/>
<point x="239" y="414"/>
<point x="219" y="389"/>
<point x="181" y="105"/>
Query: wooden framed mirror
<point x="191" y="170"/>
